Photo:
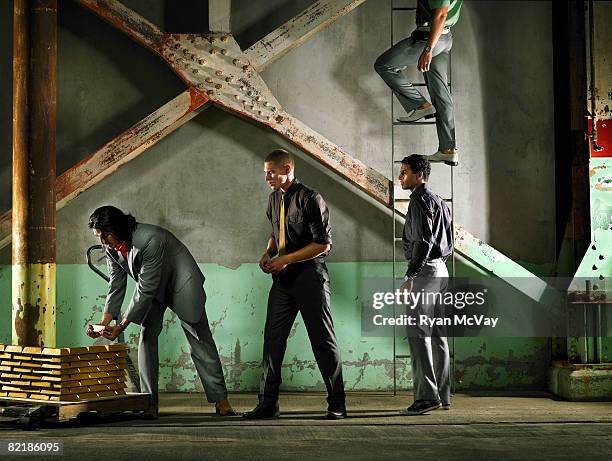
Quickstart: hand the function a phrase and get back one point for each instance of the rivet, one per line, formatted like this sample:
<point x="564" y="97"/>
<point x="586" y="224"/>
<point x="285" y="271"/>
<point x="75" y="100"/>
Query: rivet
<point x="258" y="98"/>
<point x="210" y="92"/>
<point x="250" y="93"/>
<point x="195" y="71"/>
<point x="177" y="46"/>
<point x="193" y="57"/>
<point x="594" y="267"/>
<point x="211" y="39"/>
<point x="236" y="96"/>
<point x="260" y="112"/>
<point x="224" y="52"/>
<point x="601" y="277"/>
<point x="201" y="61"/>
<point x="171" y="55"/>
<point x="268" y="118"/>
<point x="274" y="109"/>
<point x="279" y="119"/>
<point x="237" y="62"/>
<point x="224" y="38"/>
<point x="242" y="87"/>
<point x="179" y="60"/>
<point x="201" y="86"/>
<point x="218" y="86"/>
<point x="212" y="51"/>
<point x="601" y="257"/>
<point x="229" y="79"/>
<point x="219" y="73"/>
<point x="245" y="68"/>
<point x="267" y="104"/>
<point x="185" y="51"/>
<point x="209" y="80"/>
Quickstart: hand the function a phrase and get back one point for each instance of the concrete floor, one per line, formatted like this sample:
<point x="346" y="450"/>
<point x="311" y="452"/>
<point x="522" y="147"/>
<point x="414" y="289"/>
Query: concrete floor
<point x="517" y="427"/>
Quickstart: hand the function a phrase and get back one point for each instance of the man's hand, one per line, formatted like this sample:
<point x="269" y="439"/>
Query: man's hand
<point x="111" y="333"/>
<point x="105" y="320"/>
<point x="264" y="263"/>
<point x="278" y="264"/>
<point x="406" y="286"/>
<point x="89" y="331"/>
<point x="425" y="61"/>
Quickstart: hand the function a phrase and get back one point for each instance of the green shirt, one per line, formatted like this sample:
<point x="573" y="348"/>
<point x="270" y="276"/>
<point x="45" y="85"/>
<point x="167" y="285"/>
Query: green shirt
<point x="425" y="7"/>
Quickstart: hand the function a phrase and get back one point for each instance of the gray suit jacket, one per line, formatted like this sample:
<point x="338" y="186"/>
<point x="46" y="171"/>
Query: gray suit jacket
<point x="165" y="272"/>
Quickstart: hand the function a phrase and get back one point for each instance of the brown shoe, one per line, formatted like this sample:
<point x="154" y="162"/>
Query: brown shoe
<point x="223" y="408"/>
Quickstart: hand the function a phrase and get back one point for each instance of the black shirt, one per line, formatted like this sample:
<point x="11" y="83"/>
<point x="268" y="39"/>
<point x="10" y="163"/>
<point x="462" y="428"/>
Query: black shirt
<point x="306" y="218"/>
<point x="428" y="231"/>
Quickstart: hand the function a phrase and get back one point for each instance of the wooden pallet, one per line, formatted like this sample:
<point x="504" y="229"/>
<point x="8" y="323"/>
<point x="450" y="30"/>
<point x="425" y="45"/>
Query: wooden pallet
<point x="63" y="374"/>
<point x="66" y="410"/>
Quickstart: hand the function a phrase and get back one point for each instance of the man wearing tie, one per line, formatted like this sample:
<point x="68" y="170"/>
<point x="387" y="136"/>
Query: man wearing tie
<point x="295" y="256"/>
<point x="166" y="274"/>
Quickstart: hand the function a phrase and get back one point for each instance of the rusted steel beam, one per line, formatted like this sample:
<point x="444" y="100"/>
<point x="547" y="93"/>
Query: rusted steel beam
<point x="219" y="14"/>
<point x="128" y="21"/>
<point x="128" y="145"/>
<point x="34" y="115"/>
<point x="296" y="31"/>
<point x="119" y="151"/>
<point x="334" y="157"/>
<point x="21" y="59"/>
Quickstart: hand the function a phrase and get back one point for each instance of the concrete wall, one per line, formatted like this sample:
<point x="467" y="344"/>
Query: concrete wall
<point x="205" y="183"/>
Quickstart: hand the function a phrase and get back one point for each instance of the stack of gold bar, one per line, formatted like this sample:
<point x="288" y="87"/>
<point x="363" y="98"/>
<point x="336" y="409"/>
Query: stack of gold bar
<point x="63" y="374"/>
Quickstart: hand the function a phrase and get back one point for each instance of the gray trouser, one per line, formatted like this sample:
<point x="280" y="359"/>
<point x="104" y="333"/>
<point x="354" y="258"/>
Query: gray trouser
<point x="429" y="348"/>
<point x="201" y="346"/>
<point x="390" y="64"/>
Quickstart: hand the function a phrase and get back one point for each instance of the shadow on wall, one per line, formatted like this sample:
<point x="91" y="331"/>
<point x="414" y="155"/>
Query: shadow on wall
<point x="253" y="20"/>
<point x="516" y="83"/>
<point x="102" y="92"/>
<point x="360" y="213"/>
<point x="6" y="98"/>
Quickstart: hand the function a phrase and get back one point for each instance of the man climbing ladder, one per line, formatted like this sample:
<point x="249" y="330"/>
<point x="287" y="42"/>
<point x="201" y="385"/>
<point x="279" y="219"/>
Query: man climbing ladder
<point x="428" y="47"/>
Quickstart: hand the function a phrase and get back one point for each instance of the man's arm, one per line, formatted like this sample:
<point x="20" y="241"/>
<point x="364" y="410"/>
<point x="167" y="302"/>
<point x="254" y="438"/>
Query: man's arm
<point x="116" y="291"/>
<point x="422" y="237"/>
<point x="148" y="280"/>
<point x="268" y="254"/>
<point x="435" y="31"/>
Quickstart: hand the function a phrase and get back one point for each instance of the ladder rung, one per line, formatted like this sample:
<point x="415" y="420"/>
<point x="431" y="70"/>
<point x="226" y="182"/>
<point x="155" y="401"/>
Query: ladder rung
<point x="414" y="123"/>
<point x="404" y="8"/>
<point x="402" y="356"/>
<point x="398" y="239"/>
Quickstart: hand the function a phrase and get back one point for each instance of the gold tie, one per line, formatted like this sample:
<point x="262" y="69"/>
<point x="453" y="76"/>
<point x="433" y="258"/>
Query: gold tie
<point x="281" y="233"/>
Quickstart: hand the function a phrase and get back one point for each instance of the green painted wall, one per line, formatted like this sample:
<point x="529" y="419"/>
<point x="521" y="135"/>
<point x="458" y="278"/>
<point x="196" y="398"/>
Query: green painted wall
<point x="236" y="312"/>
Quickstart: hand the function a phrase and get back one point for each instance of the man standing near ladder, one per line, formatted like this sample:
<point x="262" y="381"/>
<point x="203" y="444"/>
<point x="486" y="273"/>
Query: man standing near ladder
<point x="427" y="238"/>
<point x="428" y="47"/>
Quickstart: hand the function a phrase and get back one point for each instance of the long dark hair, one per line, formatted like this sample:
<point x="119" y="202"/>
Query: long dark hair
<point x="112" y="220"/>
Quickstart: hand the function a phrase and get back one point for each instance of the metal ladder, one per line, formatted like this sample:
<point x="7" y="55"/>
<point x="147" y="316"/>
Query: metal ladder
<point x="397" y="240"/>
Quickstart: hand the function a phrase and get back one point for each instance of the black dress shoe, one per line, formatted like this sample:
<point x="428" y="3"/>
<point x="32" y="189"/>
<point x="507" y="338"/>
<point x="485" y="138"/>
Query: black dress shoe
<point x="336" y="413"/>
<point x="421" y="406"/>
<point x="262" y="411"/>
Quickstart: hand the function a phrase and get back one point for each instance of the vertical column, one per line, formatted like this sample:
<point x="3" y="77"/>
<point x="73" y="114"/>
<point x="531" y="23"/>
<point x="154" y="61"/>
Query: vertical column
<point x="34" y="123"/>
